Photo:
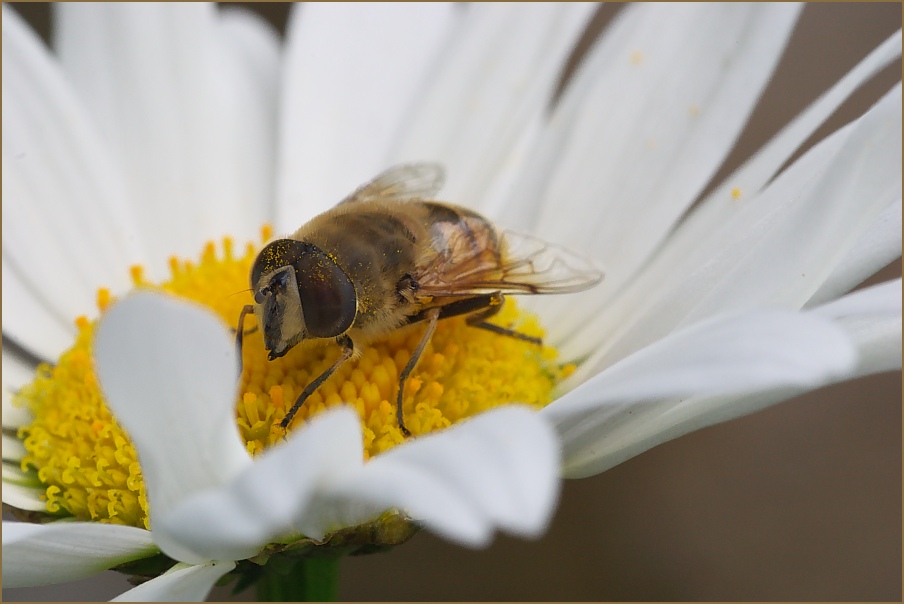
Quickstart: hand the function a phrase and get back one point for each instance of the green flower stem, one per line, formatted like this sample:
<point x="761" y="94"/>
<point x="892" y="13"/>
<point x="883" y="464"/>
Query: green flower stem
<point x="310" y="579"/>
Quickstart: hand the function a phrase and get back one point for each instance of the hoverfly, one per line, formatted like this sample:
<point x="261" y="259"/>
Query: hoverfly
<point x="389" y="255"/>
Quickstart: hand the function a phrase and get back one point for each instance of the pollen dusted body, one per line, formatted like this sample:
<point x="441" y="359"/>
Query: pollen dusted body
<point x="384" y="246"/>
<point x="389" y="256"/>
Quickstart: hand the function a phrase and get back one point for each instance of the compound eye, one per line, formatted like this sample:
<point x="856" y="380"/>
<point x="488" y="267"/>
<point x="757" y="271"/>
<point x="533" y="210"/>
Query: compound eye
<point x="328" y="299"/>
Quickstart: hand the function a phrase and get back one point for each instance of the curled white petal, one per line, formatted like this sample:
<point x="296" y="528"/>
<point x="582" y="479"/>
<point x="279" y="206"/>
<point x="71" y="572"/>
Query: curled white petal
<point x="168" y="371"/>
<point x="497" y="470"/>
<point x="872" y="319"/>
<point x="267" y="499"/>
<point x="181" y="583"/>
<point x="41" y="554"/>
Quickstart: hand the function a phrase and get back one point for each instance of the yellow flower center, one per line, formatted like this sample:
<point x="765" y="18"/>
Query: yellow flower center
<point x="91" y="469"/>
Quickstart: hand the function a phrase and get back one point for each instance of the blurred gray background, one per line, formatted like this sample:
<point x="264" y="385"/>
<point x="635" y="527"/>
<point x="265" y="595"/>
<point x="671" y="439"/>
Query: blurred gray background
<point x="800" y="502"/>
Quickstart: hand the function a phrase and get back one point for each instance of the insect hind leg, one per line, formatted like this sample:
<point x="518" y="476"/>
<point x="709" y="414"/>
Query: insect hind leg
<point x="479" y="319"/>
<point x="478" y="309"/>
<point x="432" y="315"/>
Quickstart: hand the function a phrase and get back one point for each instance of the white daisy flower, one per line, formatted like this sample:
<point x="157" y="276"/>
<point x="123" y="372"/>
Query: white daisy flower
<point x="155" y="128"/>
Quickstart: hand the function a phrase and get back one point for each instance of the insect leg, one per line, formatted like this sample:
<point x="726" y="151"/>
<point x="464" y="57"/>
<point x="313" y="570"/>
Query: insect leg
<point x="479" y="308"/>
<point x="432" y="316"/>
<point x="479" y="319"/>
<point x="239" y="333"/>
<point x="454" y="309"/>
<point x="348" y="349"/>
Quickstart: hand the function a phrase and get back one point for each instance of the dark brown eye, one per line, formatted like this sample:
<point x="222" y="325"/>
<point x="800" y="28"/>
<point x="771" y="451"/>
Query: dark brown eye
<point x="328" y="300"/>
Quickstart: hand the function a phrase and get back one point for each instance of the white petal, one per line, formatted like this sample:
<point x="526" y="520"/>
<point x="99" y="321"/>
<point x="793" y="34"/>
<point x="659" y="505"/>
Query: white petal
<point x="16" y="373"/>
<point x="22" y="490"/>
<point x="751" y="177"/>
<point x="40" y="554"/>
<point x="13" y="474"/>
<point x="872" y="319"/>
<point x="494" y="82"/>
<point x="497" y="470"/>
<point x="31" y="320"/>
<point x="732" y="354"/>
<point x="877" y="246"/>
<point x="351" y="72"/>
<point x="170" y="102"/>
<point x="13" y="449"/>
<point x="720" y="208"/>
<point x="65" y="231"/>
<point x="252" y="51"/>
<point x="265" y="501"/>
<point x="644" y="125"/>
<point x="182" y="583"/>
<point x="168" y="370"/>
<point x="777" y="248"/>
<point x="256" y="46"/>
<point x="23" y="498"/>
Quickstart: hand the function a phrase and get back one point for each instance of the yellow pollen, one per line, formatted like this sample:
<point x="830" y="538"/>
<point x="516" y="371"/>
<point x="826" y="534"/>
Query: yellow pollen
<point x="103" y="298"/>
<point x="137" y="273"/>
<point x="90" y="467"/>
<point x="636" y="57"/>
<point x="736" y="193"/>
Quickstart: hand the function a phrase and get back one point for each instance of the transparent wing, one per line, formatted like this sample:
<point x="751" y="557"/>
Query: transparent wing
<point x="402" y="183"/>
<point x="516" y="264"/>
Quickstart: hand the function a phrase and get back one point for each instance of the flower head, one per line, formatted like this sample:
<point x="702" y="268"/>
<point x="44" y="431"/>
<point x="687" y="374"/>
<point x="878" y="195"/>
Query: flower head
<point x="734" y="307"/>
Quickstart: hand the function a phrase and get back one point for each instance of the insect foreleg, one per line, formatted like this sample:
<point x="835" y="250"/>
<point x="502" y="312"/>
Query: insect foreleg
<point x="432" y="316"/>
<point x="348" y="349"/>
<point x="239" y="333"/>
